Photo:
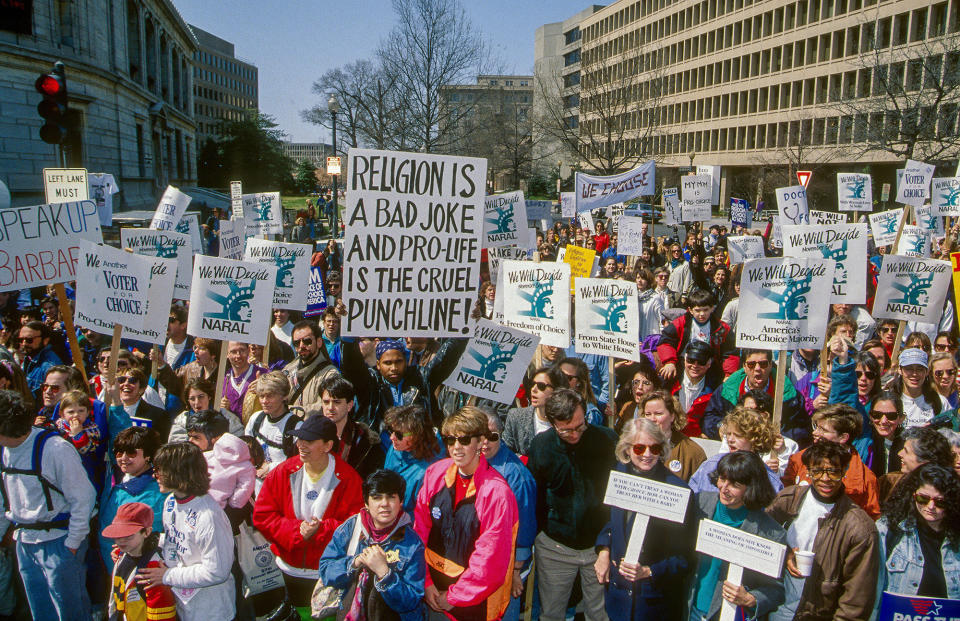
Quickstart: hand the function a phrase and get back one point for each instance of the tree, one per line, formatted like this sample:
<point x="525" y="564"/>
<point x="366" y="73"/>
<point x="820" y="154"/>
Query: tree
<point x="305" y="177"/>
<point x="249" y="149"/>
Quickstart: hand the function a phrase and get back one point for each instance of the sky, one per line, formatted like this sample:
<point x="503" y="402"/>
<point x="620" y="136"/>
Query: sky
<point x="293" y="42"/>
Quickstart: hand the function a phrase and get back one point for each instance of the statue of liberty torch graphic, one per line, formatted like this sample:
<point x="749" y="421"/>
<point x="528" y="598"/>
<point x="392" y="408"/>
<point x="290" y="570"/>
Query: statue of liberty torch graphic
<point x="839" y="255"/>
<point x="916" y="292"/>
<point x="284" y="271"/>
<point x="503" y="221"/>
<point x="613" y="315"/>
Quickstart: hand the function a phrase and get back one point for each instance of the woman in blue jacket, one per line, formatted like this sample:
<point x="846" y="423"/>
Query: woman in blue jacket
<point x="855" y="381"/>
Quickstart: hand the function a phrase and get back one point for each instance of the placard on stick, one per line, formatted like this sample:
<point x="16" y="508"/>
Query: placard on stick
<point x="846" y="244"/>
<point x="293" y="270"/>
<point x="112" y="288"/>
<point x="494" y="357"/>
<point x="607" y="318"/>
<point x="536" y="299"/>
<point x="163" y="277"/>
<point x="167" y="245"/>
<point x="645" y="497"/>
<point x="172" y="205"/>
<point x="231" y="300"/>
<point x="505" y="220"/>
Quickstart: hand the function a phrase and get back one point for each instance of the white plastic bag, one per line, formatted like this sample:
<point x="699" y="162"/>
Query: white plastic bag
<point x="257" y="562"/>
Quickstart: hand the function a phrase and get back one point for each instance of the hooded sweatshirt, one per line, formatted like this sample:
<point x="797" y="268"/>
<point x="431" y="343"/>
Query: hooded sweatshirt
<point x="232" y="475"/>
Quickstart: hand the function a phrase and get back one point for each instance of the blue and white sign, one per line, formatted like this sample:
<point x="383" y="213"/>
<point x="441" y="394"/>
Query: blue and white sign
<point x="172" y="205"/>
<point x="895" y="607"/>
<point x="262" y="213"/>
<point x="166" y="245"/>
<point x="854" y="192"/>
<point x="845" y="244"/>
<point x="740" y="212"/>
<point x="592" y="191"/>
<point x="112" y="288"/>
<point x="505" y="220"/>
<point x="536" y="298"/>
<point x="568" y="204"/>
<point x="913" y="186"/>
<point x="293" y="270"/>
<point x="539" y="210"/>
<point x="607" y="318"/>
<point x="316" y="296"/>
<point x="672" y="213"/>
<point x="714" y="173"/>
<point x="232" y="234"/>
<point x="930" y="221"/>
<point x="914" y="242"/>
<point x="231" y="300"/>
<point x="911" y="289"/>
<point x="630" y="236"/>
<point x="190" y="224"/>
<point x="743" y="247"/>
<point x="695" y="191"/>
<point x="884" y="224"/>
<point x="163" y="279"/>
<point x="945" y="196"/>
<point x="494" y="358"/>
<point x="792" y="205"/>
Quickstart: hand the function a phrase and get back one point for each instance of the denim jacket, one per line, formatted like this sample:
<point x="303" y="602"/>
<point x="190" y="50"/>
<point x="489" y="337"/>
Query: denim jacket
<point x="903" y="567"/>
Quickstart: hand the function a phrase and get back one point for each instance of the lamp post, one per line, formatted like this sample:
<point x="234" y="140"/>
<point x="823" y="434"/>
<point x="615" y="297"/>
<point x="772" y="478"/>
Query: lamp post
<point x="334" y="106"/>
<point x="559" y="175"/>
<point x="691" y="155"/>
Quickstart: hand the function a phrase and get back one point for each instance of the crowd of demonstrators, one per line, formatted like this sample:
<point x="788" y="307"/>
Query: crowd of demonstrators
<point x="126" y="497"/>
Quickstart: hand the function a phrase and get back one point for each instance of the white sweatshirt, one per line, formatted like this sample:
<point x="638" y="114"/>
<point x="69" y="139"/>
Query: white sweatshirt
<point x="198" y="548"/>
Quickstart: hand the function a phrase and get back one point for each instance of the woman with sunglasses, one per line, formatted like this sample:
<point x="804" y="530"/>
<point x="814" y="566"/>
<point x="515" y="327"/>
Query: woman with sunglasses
<point x="524" y="423"/>
<point x="466" y="516"/>
<point x="413" y="447"/>
<point x="886" y="434"/>
<point x="663" y="409"/>
<point x="651" y="588"/>
<point x="943" y="367"/>
<point x="577" y="378"/>
<point x="920" y="535"/>
<point x="127" y="397"/>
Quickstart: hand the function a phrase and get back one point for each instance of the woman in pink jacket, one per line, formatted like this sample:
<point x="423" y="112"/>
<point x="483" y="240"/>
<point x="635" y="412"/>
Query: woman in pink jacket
<point x="466" y="516"/>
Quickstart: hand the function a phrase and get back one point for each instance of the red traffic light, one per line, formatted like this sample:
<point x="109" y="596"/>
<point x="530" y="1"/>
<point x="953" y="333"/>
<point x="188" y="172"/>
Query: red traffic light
<point x="51" y="85"/>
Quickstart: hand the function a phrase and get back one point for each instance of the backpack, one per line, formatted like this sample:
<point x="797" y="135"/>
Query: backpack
<point x="286" y="445"/>
<point x="61" y="520"/>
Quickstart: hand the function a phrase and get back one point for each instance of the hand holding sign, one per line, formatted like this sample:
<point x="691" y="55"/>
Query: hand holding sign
<point x="645" y="497"/>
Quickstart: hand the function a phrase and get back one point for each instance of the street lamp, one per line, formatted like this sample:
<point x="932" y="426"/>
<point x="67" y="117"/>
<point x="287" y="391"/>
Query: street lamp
<point x="334" y="106"/>
<point x="691" y="155"/>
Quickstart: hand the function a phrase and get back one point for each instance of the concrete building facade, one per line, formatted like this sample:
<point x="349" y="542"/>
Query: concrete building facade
<point x="224" y="87"/>
<point x="315" y="152"/>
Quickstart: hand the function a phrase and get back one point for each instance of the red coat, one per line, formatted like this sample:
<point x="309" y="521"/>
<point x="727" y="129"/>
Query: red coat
<point x="695" y="413"/>
<point x="274" y="517"/>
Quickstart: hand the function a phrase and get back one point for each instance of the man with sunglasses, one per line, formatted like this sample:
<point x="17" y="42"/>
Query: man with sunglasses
<point x="570" y="463"/>
<point x="696" y="385"/>
<point x="310" y="368"/>
<point x="36" y="354"/>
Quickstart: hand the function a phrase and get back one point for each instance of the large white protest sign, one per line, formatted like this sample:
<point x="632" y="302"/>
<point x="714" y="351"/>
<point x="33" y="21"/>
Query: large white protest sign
<point x="911" y="288"/>
<point x="827" y="217"/>
<point x="293" y="270"/>
<point x="262" y="213"/>
<point x="167" y="245"/>
<point x="232" y="300"/>
<point x="232" y="234"/>
<point x="537" y="299"/>
<point x="494" y="358"/>
<point x="913" y="186"/>
<point x="945" y="196"/>
<point x="614" y="213"/>
<point x="672" y="213"/>
<point x="782" y="302"/>
<point x="645" y="497"/>
<point x="884" y="224"/>
<point x="607" y="318"/>
<point x="914" y="242"/>
<point x="40" y="244"/>
<point x="792" y="205"/>
<point x="111" y="289"/>
<point x="568" y="204"/>
<point x="776" y="234"/>
<point x="846" y="244"/>
<point x="163" y="278"/>
<point x="190" y="224"/>
<point x="630" y="236"/>
<point x="854" y="192"/>
<point x="586" y="222"/>
<point x="744" y="247"/>
<point x="738" y="547"/>
<point x="592" y="192"/>
<point x="170" y="209"/>
<point x="930" y="221"/>
<point x="496" y="257"/>
<point x="695" y="194"/>
<point x="714" y="173"/>
<point x="414" y="224"/>
<point x="498" y="299"/>
<point x="505" y="220"/>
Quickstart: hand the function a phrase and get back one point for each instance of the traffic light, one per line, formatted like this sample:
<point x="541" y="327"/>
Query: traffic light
<point x="53" y="106"/>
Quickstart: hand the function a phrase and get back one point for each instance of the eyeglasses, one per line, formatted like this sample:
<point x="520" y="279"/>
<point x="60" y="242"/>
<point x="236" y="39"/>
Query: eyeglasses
<point x="398" y="433"/>
<point x="763" y="364"/>
<point x="870" y="375"/>
<point x="661" y="276"/>
<point x="50" y="387"/>
<point x="571" y="378"/>
<point x="493" y="436"/>
<point x="541" y="386"/>
<point x="923" y="500"/>
<point x="461" y="440"/>
<point x="890" y="415"/>
<point x="834" y="474"/>
<point x="640" y="449"/>
<point x="942" y="372"/>
<point x="21" y="339"/>
<point x="104" y="359"/>
<point x="884" y="329"/>
<point x="566" y="433"/>
<point x="637" y="383"/>
<point x="306" y="341"/>
<point x="126" y="379"/>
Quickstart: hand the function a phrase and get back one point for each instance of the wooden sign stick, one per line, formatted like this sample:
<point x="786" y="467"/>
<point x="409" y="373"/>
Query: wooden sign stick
<point x="112" y="367"/>
<point x="221" y="371"/>
<point x="728" y="610"/>
<point x="67" y="314"/>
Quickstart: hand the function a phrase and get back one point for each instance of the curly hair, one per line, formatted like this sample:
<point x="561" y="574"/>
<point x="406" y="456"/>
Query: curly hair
<point x="413" y="419"/>
<point x="671" y="404"/>
<point x="753" y="425"/>
<point x="183" y="468"/>
<point x="629" y="434"/>
<point x="900" y="506"/>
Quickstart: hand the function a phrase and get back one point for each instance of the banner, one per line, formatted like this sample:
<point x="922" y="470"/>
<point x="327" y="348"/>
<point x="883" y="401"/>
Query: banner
<point x="505" y="220"/>
<point x="792" y="205"/>
<point x="896" y="607"/>
<point x="672" y="213"/>
<point x="40" y="244"/>
<point x="190" y="224"/>
<point x="630" y="236"/>
<point x="232" y="234"/>
<point x="782" y="303"/>
<point x="592" y="192"/>
<point x="883" y="226"/>
<point x="536" y="299"/>
<point x="166" y="245"/>
<point x="740" y="212"/>
<point x="539" y="210"/>
<point x="231" y="300"/>
<point x="580" y="261"/>
<point x="496" y="257"/>
<point x="827" y="217"/>
<point x="913" y="186"/>
<point x="316" y="296"/>
<point x="854" y="192"/>
<point x="695" y="195"/>
<point x="607" y="318"/>
<point x="714" y="173"/>
<point x="911" y="289"/>
<point x="293" y="270"/>
<point x="914" y="242"/>
<point x="494" y="358"/>
<point x="846" y="244"/>
<point x="414" y="225"/>
<point x="163" y="278"/>
<point x="263" y="213"/>
<point x="568" y="204"/>
<point x="945" y="196"/>
<point x="743" y="247"/>
<point x="111" y="288"/>
<point x="172" y="205"/>
<point x="929" y="221"/>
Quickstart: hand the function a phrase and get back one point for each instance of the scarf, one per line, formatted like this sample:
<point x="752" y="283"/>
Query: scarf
<point x="375" y="535"/>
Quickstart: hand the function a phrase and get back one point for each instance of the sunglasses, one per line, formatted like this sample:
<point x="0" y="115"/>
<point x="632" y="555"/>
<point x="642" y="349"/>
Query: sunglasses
<point x="697" y="361"/>
<point x="541" y="386"/>
<point x="640" y="449"/>
<point x="942" y="372"/>
<point x="21" y="339"/>
<point x="870" y="375"/>
<point x="398" y="433"/>
<point x="123" y="379"/>
<point x="887" y="329"/>
<point x="834" y="474"/>
<point x="941" y="347"/>
<point x="305" y="341"/>
<point x="641" y="382"/>
<point x="50" y="387"/>
<point x="890" y="415"/>
<point x="493" y="436"/>
<point x="461" y="440"/>
<point x="763" y="364"/>
<point x="923" y="500"/>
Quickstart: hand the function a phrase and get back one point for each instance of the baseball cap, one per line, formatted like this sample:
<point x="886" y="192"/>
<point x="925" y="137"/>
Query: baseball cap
<point x="913" y="356"/>
<point x="130" y="518"/>
<point x="316" y="428"/>
<point x="698" y="350"/>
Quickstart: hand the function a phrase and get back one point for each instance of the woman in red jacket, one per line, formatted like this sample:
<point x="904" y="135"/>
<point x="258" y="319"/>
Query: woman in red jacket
<point x="301" y="503"/>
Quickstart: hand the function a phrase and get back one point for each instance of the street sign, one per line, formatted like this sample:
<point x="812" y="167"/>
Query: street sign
<point x="333" y="165"/>
<point x="236" y="200"/>
<point x="885" y="193"/>
<point x="803" y="176"/>
<point x="61" y="185"/>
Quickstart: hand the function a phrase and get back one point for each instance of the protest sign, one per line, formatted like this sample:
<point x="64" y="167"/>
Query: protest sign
<point x="607" y="318"/>
<point x="568" y="204"/>
<point x="40" y="244"/>
<point x="645" y="497"/>
<point x="630" y="236"/>
<point x="846" y="244"/>
<point x="586" y="222"/>
<point x="232" y="234"/>
<point x="316" y="296"/>
<point x="945" y="196"/>
<point x="614" y="213"/>
<point x="884" y="224"/>
<point x="163" y="278"/>
<point x="911" y="289"/>
<point x="111" y="289"/>
<point x="496" y="256"/>
<point x="498" y="299"/>
<point x="782" y="303"/>
<point x="827" y="217"/>
<point x="744" y="247"/>
<point x="792" y="205"/>
<point x="190" y="224"/>
<point x="293" y="270"/>
<point x="539" y="210"/>
<point x="262" y="213"/>
<point x="102" y="188"/>
<point x="62" y="185"/>
<point x="672" y="213"/>
<point x="536" y="299"/>
<point x="231" y="300"/>
<point x="914" y="242"/>
<point x="897" y="607"/>
<point x="592" y="192"/>
<point x="414" y="224"/>
<point x="738" y="547"/>
<point x="930" y="221"/>
<point x="740" y="212"/>
<point x="580" y="261"/>
<point x="913" y="186"/>
<point x="505" y="220"/>
<point x="695" y="195"/>
<point x="236" y="200"/>
<point x="955" y="263"/>
<point x="170" y="209"/>
<point x="714" y="173"/>
<point x="167" y="245"/>
<point x="776" y="234"/>
<point x="494" y="358"/>
<point x="854" y="192"/>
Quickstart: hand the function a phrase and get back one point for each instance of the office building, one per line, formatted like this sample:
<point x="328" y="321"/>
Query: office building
<point x="224" y="88"/>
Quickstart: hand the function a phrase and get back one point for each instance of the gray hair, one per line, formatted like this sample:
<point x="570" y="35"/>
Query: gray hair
<point x="952" y="436"/>
<point x="274" y="381"/>
<point x="629" y="434"/>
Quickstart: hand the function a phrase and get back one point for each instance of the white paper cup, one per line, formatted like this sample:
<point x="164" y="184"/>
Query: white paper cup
<point x="804" y="561"/>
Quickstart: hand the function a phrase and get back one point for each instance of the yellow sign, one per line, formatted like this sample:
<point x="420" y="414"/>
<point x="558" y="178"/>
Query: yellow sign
<point x="955" y="262"/>
<point x="581" y="262"/>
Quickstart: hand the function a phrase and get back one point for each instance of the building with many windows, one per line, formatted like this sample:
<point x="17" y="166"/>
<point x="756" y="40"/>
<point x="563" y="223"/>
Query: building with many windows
<point x="315" y="152"/>
<point x="128" y="68"/>
<point x="224" y="87"/>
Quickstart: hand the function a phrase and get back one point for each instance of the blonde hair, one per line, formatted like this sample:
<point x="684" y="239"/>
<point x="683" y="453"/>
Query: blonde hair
<point x="671" y="403"/>
<point x="629" y="435"/>
<point x="76" y="397"/>
<point x="274" y="381"/>
<point x="753" y="425"/>
<point x="468" y="420"/>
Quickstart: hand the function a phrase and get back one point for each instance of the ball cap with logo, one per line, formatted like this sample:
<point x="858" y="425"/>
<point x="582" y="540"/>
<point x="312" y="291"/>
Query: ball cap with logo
<point x="317" y="427"/>
<point x="913" y="356"/>
<point x="131" y="518"/>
